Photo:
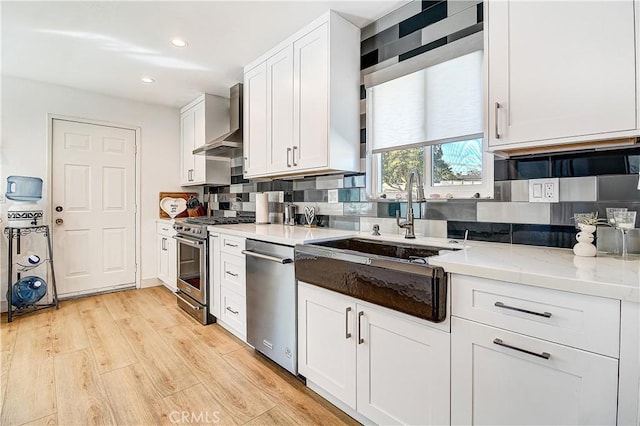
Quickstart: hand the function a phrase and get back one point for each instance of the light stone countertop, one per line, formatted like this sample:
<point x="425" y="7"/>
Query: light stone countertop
<point x="554" y="268"/>
<point x="546" y="267"/>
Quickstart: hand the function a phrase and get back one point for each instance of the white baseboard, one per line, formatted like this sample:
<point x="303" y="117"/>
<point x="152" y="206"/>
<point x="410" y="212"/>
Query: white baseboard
<point x="150" y="282"/>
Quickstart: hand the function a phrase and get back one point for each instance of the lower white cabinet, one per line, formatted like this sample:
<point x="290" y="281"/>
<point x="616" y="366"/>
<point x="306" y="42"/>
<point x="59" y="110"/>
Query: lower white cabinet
<point x="167" y="256"/>
<point x="388" y="367"/>
<point x="228" y="282"/>
<point x="501" y="377"/>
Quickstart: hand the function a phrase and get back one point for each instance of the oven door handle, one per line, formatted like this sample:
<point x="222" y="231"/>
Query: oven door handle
<point x="189" y="242"/>
<point x="195" y="308"/>
<point x="282" y="260"/>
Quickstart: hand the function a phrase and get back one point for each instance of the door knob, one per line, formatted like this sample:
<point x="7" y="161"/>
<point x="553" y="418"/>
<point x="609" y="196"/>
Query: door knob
<point x="59" y="221"/>
<point x="59" y="209"/>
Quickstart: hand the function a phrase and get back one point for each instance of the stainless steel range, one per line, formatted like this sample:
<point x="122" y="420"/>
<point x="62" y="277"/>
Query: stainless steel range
<point x="193" y="270"/>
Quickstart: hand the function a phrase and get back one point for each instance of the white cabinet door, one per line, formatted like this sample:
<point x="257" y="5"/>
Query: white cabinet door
<point x="163" y="259"/>
<point x="326" y="341"/>
<point x="187" y="129"/>
<point x="311" y="102"/>
<point x="198" y="175"/>
<point x="171" y="247"/>
<point x="403" y="370"/>
<point x="280" y="110"/>
<point x="496" y="384"/>
<point x="560" y="70"/>
<point x="255" y="120"/>
<point x="214" y="274"/>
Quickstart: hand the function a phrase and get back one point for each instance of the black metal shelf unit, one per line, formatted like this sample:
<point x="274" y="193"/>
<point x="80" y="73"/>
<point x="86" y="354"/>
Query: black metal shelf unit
<point x="15" y="234"/>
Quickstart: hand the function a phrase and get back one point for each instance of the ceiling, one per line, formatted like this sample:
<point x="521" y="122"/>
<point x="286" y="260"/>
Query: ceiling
<point x="107" y="47"/>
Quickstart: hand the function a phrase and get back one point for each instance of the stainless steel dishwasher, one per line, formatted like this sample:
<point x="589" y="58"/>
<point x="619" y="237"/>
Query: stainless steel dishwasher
<point x="272" y="302"/>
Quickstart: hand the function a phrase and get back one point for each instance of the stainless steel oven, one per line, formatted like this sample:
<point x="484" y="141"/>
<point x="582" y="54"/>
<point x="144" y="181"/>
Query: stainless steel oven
<point x="192" y="270"/>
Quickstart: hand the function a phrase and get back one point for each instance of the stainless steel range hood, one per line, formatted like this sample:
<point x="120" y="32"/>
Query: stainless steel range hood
<point x="230" y="143"/>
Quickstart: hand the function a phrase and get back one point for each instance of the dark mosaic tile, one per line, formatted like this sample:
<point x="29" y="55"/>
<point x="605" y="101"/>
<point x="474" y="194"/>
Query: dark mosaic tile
<point x="405" y="44"/>
<point x="288" y="196"/>
<point x="264" y="186"/>
<point x="464" y="32"/>
<point x="589" y="166"/>
<point x="298" y="196"/>
<point x="369" y="59"/>
<point x="479" y="13"/>
<point x="535" y="168"/>
<point x="427" y="17"/>
<point x="363" y="135"/>
<point x="243" y="197"/>
<point x="238" y="179"/>
<point x="459" y="210"/>
<point x="544" y="235"/>
<point x="427" y="4"/>
<point x="357" y="181"/>
<point x="282" y="185"/>
<point x="236" y="171"/>
<point x="363" y="92"/>
<point x="389" y="209"/>
<point x="480" y="231"/>
<point x="422" y="49"/>
<point x="346" y="195"/>
<point x="313" y="195"/>
<point x="500" y="170"/>
<point x="363" y="150"/>
<point x="562" y="213"/>
<point x="618" y="188"/>
<point x="382" y="38"/>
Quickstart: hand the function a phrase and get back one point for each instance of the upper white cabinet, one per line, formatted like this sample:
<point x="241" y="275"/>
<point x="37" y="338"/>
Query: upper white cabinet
<point x="200" y="121"/>
<point x="560" y="72"/>
<point x="301" y="103"/>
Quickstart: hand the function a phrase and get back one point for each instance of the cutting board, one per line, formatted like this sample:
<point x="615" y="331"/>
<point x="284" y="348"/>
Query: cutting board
<point x="184" y="195"/>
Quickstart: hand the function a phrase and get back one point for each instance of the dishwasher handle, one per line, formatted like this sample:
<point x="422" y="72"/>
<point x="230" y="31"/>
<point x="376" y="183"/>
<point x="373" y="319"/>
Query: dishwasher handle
<point x="281" y="260"/>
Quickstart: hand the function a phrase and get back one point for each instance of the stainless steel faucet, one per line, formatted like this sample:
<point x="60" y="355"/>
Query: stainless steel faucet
<point x="407" y="224"/>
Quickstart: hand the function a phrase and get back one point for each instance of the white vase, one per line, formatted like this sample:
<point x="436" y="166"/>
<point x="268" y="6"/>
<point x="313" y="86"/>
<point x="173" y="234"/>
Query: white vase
<point x="585" y="247"/>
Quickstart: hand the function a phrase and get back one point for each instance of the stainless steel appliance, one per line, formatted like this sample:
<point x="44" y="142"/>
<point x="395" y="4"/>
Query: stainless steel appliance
<point x="290" y="214"/>
<point x="193" y="269"/>
<point x="272" y="302"/>
<point x="230" y="143"/>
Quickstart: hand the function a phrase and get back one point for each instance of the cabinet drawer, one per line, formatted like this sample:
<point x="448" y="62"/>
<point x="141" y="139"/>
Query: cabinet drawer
<point x="231" y="244"/>
<point x="233" y="310"/>
<point x="165" y="229"/>
<point x="232" y="272"/>
<point x="585" y="322"/>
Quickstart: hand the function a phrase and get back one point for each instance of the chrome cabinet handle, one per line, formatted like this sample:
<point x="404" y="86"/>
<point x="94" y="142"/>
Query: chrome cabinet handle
<point x="347" y="335"/>
<point x="164" y="247"/>
<point x="231" y="245"/>
<point x="499" y="342"/>
<point x="360" y="315"/>
<point x="288" y="152"/>
<point x="497" y="107"/>
<point x="232" y="311"/>
<point x="293" y="156"/>
<point x="230" y="273"/>
<point x="513" y="308"/>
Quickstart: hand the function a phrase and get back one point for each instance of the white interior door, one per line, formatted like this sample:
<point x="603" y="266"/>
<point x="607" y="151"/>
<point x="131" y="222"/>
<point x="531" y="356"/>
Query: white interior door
<point x="93" y="184"/>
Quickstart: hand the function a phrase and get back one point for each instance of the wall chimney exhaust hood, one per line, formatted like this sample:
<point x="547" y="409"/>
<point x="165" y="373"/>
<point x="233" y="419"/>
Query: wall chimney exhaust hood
<point x="229" y="144"/>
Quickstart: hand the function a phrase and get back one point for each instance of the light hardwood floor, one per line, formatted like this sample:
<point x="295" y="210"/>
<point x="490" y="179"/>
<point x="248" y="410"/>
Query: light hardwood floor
<point x="134" y="358"/>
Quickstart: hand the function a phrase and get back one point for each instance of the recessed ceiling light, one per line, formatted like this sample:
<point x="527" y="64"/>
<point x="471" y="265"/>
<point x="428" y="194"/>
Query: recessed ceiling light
<point x="177" y="42"/>
<point x="147" y="80"/>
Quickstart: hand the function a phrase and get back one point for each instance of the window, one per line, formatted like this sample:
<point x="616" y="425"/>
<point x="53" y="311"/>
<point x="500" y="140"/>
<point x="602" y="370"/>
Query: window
<point x="432" y="121"/>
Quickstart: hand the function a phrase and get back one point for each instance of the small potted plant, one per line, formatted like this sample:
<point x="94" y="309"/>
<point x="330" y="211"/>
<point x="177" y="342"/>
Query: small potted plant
<point x="586" y="223"/>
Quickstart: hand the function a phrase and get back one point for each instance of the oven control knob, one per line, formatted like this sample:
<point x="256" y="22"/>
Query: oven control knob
<point x="197" y="231"/>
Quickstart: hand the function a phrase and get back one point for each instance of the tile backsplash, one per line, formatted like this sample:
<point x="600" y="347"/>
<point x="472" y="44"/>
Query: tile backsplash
<point x="589" y="181"/>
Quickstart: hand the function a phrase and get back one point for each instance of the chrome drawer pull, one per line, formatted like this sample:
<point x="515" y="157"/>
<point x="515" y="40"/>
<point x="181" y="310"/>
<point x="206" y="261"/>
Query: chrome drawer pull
<point x="230" y="273"/>
<point x="232" y="311"/>
<point x="540" y="314"/>
<point x="499" y="342"/>
<point x="347" y="335"/>
<point x="195" y="308"/>
<point x="360" y="315"/>
<point x="497" y="134"/>
<point x="231" y="245"/>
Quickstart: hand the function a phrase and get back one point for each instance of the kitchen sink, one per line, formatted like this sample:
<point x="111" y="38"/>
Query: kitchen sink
<point x="393" y="275"/>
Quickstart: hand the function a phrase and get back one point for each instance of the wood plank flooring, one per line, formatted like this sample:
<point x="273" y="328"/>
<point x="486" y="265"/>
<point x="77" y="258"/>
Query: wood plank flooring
<point x="134" y="358"/>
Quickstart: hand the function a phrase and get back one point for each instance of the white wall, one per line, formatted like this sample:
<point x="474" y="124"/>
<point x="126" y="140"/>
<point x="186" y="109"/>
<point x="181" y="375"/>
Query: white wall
<point x="23" y="149"/>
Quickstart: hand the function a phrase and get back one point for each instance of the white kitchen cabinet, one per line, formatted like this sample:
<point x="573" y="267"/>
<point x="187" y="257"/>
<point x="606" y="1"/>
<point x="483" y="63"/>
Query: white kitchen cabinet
<point x="571" y="80"/>
<point x="230" y="263"/>
<point x="206" y="118"/>
<point x="518" y="384"/>
<point x="214" y="274"/>
<point x="307" y="122"/>
<point x="529" y="355"/>
<point x="391" y="369"/>
<point x="167" y="255"/>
